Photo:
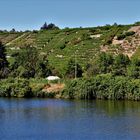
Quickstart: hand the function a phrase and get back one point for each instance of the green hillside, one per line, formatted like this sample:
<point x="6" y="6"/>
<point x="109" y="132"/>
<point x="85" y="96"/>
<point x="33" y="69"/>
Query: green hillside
<point x="80" y="44"/>
<point x="100" y="62"/>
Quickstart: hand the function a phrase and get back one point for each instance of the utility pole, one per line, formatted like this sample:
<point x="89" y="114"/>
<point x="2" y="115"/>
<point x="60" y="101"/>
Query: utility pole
<point x="75" y="66"/>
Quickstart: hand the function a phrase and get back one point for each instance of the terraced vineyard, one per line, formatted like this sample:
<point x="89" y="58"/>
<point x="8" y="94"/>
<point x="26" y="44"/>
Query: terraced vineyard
<point x="80" y="44"/>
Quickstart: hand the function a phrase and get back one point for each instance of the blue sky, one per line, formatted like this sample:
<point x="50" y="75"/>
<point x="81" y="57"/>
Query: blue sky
<point x="31" y="14"/>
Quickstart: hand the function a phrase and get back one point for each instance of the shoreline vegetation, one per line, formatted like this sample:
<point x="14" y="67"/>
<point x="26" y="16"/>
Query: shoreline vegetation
<point x="88" y="61"/>
<point x="103" y="86"/>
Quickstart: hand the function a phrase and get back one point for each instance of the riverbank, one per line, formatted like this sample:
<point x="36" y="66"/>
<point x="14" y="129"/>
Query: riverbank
<point x="91" y="63"/>
<point x="105" y="86"/>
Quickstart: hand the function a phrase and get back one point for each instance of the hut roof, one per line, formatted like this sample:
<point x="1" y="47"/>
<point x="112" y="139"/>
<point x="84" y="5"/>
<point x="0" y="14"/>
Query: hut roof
<point x="51" y="78"/>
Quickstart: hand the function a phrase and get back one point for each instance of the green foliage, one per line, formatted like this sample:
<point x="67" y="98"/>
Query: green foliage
<point x="62" y="46"/>
<point x="134" y="69"/>
<point x="137" y="23"/>
<point x="63" y="42"/>
<point x="105" y="62"/>
<point x="28" y="64"/>
<point x="130" y="33"/>
<point x="92" y="70"/>
<point x="73" y="69"/>
<point x="124" y="35"/>
<point x="121" y="36"/>
<point x="120" y="64"/>
<point x="103" y="87"/>
<point x="108" y="75"/>
<point x="15" y="88"/>
<point x="3" y="62"/>
<point x="109" y="37"/>
<point x="137" y="53"/>
<point x="49" y="26"/>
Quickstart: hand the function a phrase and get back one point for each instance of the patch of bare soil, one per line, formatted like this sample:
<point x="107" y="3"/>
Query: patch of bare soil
<point x="53" y="88"/>
<point x="135" y="29"/>
<point x="128" y="46"/>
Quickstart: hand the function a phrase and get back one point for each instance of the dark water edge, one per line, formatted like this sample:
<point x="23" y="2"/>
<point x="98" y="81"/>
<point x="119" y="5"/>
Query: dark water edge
<point x="57" y="119"/>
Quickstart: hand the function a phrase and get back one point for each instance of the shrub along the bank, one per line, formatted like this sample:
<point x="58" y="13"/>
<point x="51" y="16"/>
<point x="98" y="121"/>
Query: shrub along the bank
<point x="103" y="87"/>
<point x="15" y="88"/>
<point x="23" y="88"/>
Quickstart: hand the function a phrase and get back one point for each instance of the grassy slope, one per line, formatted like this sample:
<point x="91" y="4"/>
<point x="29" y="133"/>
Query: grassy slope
<point x="61" y="45"/>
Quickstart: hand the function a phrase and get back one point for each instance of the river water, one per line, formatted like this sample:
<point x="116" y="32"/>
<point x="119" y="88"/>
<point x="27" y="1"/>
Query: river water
<point x="51" y="119"/>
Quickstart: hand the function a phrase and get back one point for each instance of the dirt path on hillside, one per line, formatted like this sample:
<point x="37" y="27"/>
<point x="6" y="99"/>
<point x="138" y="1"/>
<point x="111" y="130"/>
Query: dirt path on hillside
<point x="9" y="43"/>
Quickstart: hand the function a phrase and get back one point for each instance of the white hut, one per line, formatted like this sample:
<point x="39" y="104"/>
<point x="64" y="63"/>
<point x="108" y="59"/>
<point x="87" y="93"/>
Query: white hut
<point x="53" y="78"/>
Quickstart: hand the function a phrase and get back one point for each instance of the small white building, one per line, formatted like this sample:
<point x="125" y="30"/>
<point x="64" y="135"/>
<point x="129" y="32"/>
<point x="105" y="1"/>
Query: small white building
<point x="53" y="78"/>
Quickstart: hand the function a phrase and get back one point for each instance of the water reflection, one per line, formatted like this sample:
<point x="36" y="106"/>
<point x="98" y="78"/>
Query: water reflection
<point x="68" y="119"/>
<point x="114" y="108"/>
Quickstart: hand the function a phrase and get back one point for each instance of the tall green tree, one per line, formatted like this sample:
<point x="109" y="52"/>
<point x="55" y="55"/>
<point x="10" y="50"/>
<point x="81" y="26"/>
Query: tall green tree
<point x="105" y="62"/>
<point x="44" y="27"/>
<point x="3" y="62"/>
<point x="29" y="64"/>
<point x="133" y="70"/>
<point x="49" y="26"/>
<point x="73" y="69"/>
<point x="120" y="64"/>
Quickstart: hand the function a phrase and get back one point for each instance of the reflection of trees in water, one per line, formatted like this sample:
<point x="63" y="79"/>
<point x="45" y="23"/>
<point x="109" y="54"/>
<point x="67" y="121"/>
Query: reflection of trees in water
<point x="118" y="107"/>
<point x="124" y="115"/>
<point x="76" y="108"/>
<point x="70" y="116"/>
<point x="62" y="108"/>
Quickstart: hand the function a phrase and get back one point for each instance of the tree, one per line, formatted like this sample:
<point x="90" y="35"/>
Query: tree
<point x="49" y="26"/>
<point x="73" y="69"/>
<point x="44" y="27"/>
<point x="3" y="62"/>
<point x="29" y="64"/>
<point x="110" y="36"/>
<point x="122" y="59"/>
<point x="92" y="69"/>
<point x="105" y="62"/>
<point x="13" y="30"/>
<point x="43" y="68"/>
<point x="120" y="64"/>
<point x="133" y="70"/>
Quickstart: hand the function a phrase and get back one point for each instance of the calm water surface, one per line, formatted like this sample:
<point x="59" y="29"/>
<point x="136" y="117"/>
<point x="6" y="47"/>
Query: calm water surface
<point x="50" y="119"/>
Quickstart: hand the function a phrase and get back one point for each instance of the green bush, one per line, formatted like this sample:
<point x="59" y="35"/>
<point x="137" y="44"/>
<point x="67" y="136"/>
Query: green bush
<point x="121" y="36"/>
<point x="124" y="35"/>
<point x="62" y="46"/>
<point x="103" y="87"/>
<point x="15" y="88"/>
